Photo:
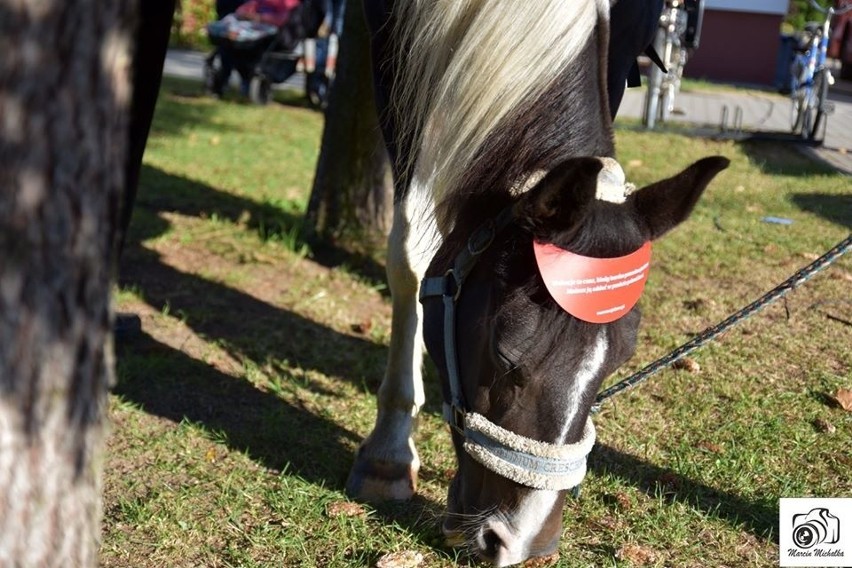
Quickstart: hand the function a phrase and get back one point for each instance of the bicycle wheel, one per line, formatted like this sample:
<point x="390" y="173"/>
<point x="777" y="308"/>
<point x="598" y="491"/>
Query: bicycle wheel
<point x="655" y="83"/>
<point x="801" y="117"/>
<point x="820" y="119"/>
<point x="810" y="106"/>
<point x="652" y="98"/>
<point x="796" y="104"/>
<point x="672" y="83"/>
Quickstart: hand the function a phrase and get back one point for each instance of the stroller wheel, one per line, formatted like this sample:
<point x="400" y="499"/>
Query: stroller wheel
<point x="260" y="90"/>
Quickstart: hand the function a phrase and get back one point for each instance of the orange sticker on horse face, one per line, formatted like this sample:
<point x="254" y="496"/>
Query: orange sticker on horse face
<point x="596" y="290"/>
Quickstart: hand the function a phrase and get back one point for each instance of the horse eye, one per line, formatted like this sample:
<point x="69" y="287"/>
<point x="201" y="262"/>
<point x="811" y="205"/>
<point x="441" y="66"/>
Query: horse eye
<point x="511" y="348"/>
<point x="511" y="359"/>
<point x="505" y="360"/>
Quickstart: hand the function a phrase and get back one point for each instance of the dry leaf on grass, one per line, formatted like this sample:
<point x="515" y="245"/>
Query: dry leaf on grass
<point x="623" y="500"/>
<point x="823" y="425"/>
<point x="710" y="447"/>
<point x="669" y="481"/>
<point x="400" y="559"/>
<point x="363" y="327"/>
<point x="841" y="275"/>
<point x="344" y="509"/>
<point x="843" y="397"/>
<point x="541" y="561"/>
<point x="687" y="364"/>
<point x="608" y="523"/>
<point x="637" y="555"/>
<point x="695" y="305"/>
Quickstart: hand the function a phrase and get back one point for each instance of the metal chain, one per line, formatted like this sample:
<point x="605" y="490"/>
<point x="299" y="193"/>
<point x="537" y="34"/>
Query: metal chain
<point x="712" y="332"/>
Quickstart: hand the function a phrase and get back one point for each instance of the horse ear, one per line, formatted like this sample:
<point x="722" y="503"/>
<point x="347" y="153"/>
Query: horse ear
<point x="667" y="203"/>
<point x="561" y="198"/>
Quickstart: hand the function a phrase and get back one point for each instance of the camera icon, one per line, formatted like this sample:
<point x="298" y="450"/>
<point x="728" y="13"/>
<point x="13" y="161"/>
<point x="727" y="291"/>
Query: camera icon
<point x="818" y="526"/>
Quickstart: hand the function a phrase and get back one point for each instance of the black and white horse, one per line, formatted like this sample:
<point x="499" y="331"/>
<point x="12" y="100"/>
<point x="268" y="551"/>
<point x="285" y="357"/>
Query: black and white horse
<point x="534" y="248"/>
<point x="498" y="119"/>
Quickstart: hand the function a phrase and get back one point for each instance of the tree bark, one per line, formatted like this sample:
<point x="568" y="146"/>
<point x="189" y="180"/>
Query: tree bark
<point x="64" y="93"/>
<point x="352" y="192"/>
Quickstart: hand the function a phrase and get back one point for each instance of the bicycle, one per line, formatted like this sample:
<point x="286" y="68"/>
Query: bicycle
<point x="810" y="78"/>
<point x="678" y="31"/>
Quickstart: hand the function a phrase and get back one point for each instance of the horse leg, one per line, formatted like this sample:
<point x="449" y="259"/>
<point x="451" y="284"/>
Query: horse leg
<point x="386" y="464"/>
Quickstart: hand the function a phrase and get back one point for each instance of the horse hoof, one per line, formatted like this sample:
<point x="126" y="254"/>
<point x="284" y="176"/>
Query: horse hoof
<point x="377" y="480"/>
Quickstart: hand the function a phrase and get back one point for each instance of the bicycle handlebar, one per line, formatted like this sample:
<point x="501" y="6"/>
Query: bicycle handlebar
<point x="836" y="11"/>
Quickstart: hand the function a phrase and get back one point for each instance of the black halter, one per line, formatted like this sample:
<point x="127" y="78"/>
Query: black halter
<point x="529" y="462"/>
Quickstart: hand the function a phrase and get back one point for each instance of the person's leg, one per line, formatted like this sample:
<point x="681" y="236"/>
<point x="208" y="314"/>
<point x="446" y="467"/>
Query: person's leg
<point x="632" y="27"/>
<point x="149" y="55"/>
<point x="151" y="42"/>
<point x="227" y="62"/>
<point x="245" y="63"/>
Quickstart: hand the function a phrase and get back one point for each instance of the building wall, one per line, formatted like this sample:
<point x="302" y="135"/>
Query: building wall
<point x="753" y="6"/>
<point x="737" y="46"/>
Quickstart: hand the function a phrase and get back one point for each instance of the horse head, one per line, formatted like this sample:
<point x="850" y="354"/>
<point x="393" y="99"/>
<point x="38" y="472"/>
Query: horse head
<point x="527" y="369"/>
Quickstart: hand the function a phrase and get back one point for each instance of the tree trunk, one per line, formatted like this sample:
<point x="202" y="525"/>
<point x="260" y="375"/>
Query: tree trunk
<point x="352" y="192"/>
<point x="64" y="93"/>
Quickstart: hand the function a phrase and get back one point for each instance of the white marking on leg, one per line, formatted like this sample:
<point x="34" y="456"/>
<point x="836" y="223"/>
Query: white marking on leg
<point x="401" y="394"/>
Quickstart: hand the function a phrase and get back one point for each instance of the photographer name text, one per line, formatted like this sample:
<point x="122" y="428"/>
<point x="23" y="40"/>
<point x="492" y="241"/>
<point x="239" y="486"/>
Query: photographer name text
<point x="817" y="552"/>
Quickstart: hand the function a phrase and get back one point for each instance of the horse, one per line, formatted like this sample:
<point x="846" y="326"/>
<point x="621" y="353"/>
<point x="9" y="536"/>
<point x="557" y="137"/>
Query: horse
<point x="498" y="121"/>
<point x="527" y="248"/>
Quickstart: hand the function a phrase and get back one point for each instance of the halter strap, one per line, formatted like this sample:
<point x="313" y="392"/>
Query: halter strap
<point x="449" y="288"/>
<point x="533" y="463"/>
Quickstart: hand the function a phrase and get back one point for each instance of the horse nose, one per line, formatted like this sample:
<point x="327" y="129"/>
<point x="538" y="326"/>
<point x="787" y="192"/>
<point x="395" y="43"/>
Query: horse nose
<point x="491" y="543"/>
<point x="494" y="544"/>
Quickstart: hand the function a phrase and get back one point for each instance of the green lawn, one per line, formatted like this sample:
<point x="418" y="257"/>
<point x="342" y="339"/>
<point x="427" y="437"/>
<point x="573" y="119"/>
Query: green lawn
<point x="237" y="410"/>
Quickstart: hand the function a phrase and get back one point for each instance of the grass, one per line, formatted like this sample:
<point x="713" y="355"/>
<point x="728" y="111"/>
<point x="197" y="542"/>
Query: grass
<point x="237" y="410"/>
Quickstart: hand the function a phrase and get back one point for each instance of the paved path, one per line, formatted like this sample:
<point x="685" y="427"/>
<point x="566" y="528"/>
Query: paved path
<point x="763" y="113"/>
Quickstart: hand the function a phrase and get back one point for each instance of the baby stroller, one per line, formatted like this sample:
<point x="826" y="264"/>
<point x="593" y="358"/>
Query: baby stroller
<point x="264" y="54"/>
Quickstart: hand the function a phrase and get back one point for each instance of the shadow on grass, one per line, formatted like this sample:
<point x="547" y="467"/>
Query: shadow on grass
<point x="172" y="384"/>
<point x="780" y="155"/>
<point x="278" y="435"/>
<point x="835" y="208"/>
<point x="177" y="115"/>
<point x="756" y="517"/>
<point x="248" y="328"/>
<point x="161" y="191"/>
